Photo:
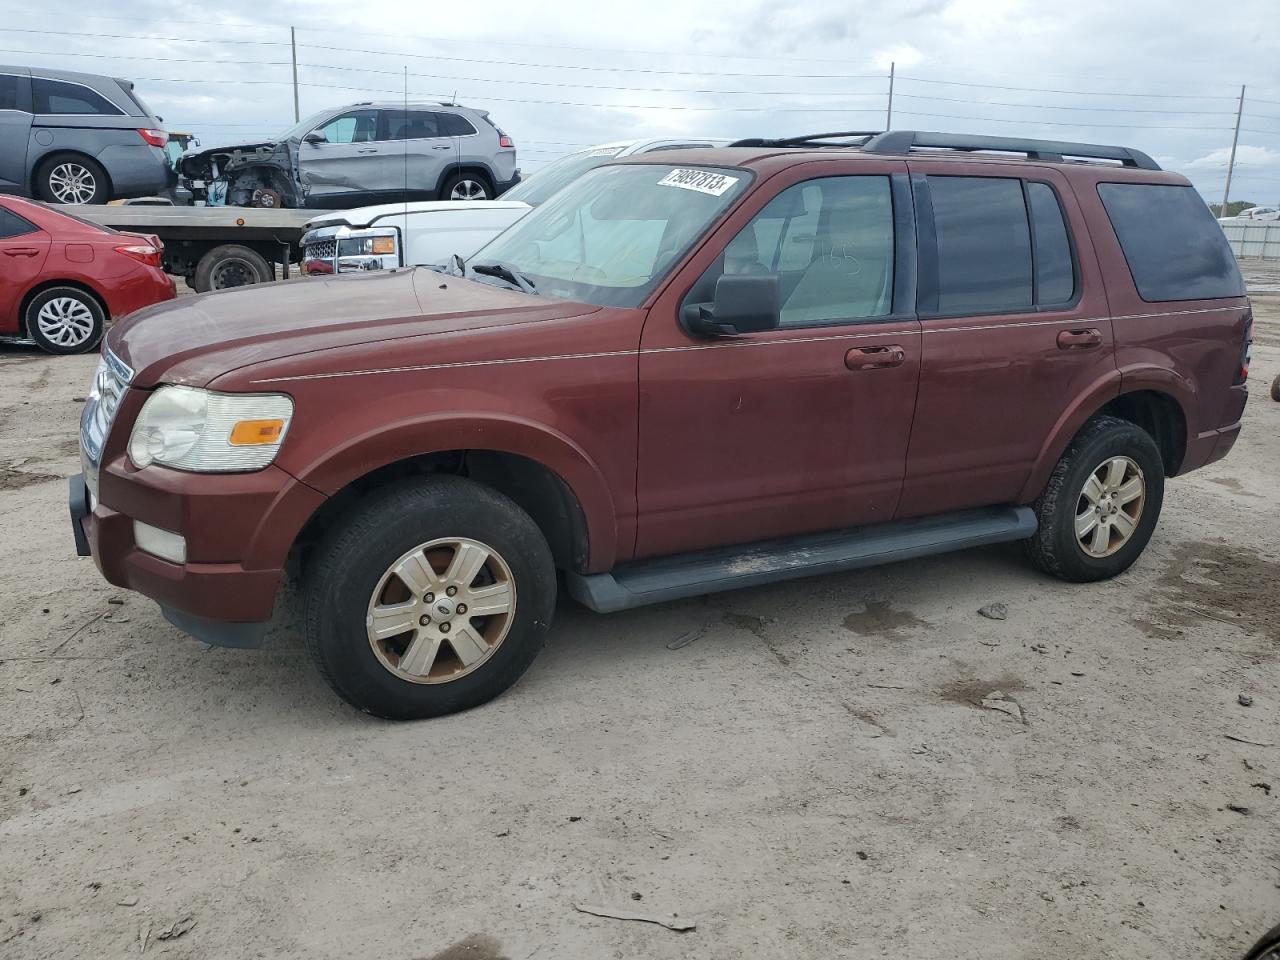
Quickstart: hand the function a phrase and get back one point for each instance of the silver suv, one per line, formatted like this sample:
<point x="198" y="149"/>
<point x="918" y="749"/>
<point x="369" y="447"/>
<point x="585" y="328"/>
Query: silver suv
<point x="77" y="138"/>
<point x="361" y="154"/>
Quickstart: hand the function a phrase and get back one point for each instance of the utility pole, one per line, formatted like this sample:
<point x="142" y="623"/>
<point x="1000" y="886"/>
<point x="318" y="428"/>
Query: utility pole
<point x="888" y="118"/>
<point x="1231" y="163"/>
<point x="293" y="46"/>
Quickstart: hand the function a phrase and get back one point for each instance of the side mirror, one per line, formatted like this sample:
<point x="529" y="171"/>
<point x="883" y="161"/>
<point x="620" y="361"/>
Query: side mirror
<point x="315" y="136"/>
<point x="744" y="303"/>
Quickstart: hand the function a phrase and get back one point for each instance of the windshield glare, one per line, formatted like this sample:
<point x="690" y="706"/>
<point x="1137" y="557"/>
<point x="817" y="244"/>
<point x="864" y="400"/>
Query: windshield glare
<point x="544" y="183"/>
<point x="302" y="127"/>
<point x="612" y="235"/>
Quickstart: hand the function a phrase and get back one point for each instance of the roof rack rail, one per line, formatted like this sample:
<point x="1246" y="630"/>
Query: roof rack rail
<point x="903" y="141"/>
<point x="812" y="138"/>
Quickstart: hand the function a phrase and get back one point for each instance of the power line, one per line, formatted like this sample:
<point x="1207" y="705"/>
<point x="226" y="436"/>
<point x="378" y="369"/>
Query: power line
<point x="1082" y="93"/>
<point x="1054" y="106"/>
<point x="1051" y="123"/>
<point x="131" y="36"/>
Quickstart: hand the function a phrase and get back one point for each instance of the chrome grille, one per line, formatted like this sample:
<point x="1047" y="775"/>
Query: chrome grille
<point x="322" y="250"/>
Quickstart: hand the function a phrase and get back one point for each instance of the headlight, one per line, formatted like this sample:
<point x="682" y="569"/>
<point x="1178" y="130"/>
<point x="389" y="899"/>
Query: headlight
<point x="367" y="245"/>
<point x="191" y="429"/>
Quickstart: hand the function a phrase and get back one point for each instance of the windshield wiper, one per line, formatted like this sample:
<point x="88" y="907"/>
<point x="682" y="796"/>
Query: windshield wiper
<point x="505" y="272"/>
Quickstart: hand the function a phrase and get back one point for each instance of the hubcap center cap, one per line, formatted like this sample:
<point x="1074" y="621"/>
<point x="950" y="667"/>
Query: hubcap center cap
<point x="443" y="606"/>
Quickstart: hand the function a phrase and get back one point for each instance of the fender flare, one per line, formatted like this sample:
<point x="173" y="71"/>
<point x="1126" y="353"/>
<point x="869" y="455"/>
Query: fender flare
<point x="1130" y="379"/>
<point x="390" y="443"/>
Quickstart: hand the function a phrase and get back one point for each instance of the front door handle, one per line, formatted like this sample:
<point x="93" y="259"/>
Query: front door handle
<point x="22" y="252"/>
<point x="875" y="358"/>
<point x="367" y="150"/>
<point x="1079" y="339"/>
<point x="446" y="147"/>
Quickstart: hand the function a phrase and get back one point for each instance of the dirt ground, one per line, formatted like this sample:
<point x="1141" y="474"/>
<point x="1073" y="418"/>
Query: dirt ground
<point x="813" y="776"/>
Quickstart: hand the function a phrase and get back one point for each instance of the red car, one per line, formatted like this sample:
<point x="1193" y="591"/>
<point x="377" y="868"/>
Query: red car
<point x="62" y="278"/>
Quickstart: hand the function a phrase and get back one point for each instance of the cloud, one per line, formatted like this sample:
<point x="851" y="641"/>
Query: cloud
<point x="1246" y="156"/>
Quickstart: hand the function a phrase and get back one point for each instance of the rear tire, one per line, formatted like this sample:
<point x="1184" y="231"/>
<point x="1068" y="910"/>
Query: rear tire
<point x="231" y="265"/>
<point x="388" y="650"/>
<point x="466" y="186"/>
<point x="1101" y="504"/>
<point x="1275" y="388"/>
<point x="72" y="178"/>
<point x="65" y="320"/>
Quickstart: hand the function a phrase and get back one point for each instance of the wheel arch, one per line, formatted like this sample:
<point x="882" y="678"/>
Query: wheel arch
<point x="39" y="288"/>
<point x="38" y="164"/>
<point x="1155" y="408"/>
<point x="537" y="489"/>
<point x="473" y="167"/>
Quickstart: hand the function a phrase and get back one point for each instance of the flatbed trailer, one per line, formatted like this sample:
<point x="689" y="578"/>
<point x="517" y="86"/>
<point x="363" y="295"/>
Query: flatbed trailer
<point x="212" y="247"/>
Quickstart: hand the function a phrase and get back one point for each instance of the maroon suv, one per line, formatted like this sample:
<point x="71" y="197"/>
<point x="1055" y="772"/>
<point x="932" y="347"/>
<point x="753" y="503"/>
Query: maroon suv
<point x="687" y="372"/>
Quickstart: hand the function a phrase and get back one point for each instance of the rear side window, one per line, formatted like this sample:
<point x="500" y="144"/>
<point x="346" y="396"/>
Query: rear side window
<point x="1055" y="274"/>
<point x="57" y="97"/>
<point x="452" y="125"/>
<point x="984" y="244"/>
<point x="409" y="125"/>
<point x="1175" y="248"/>
<point x="12" y="225"/>
<point x="8" y="92"/>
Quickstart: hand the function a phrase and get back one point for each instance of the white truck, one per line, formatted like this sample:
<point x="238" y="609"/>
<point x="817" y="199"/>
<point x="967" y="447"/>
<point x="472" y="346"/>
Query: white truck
<point x="426" y="233"/>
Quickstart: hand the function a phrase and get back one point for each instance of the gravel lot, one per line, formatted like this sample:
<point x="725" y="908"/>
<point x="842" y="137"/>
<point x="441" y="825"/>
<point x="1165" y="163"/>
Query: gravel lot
<point x="814" y="776"/>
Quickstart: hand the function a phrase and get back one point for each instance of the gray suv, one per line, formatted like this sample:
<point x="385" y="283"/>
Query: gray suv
<point x="77" y="138"/>
<point x="361" y="154"/>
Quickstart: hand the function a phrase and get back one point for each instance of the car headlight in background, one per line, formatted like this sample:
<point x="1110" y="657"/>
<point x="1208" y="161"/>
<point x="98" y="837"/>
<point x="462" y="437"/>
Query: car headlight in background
<point x="366" y="246"/>
<point x="192" y="429"/>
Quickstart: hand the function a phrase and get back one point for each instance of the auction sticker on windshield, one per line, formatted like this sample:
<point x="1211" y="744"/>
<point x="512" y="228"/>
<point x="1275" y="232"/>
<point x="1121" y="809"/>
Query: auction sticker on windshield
<point x="704" y="181"/>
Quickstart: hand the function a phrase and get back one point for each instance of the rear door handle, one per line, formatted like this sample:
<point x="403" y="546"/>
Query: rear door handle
<point x="1079" y="339"/>
<point x="875" y="358"/>
<point x="442" y="148"/>
<point x="22" y="252"/>
<point x="367" y="150"/>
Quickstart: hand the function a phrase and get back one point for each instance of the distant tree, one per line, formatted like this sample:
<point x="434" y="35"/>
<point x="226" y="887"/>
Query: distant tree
<point x="1233" y="208"/>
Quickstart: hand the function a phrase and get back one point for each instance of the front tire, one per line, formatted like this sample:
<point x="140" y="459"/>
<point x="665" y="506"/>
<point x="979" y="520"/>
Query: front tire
<point x="430" y="597"/>
<point x="65" y="320"/>
<point x="71" y="178"/>
<point x="1101" y="504"/>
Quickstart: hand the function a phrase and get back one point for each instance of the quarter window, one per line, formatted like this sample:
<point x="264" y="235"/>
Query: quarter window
<point x="452" y="125"/>
<point x="12" y="225"/>
<point x="984" y="244"/>
<point x="1175" y="248"/>
<point x="56" y="97"/>
<point x="831" y="243"/>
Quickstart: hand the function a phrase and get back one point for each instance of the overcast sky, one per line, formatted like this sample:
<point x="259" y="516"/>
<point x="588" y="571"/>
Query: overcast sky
<point x="1160" y="76"/>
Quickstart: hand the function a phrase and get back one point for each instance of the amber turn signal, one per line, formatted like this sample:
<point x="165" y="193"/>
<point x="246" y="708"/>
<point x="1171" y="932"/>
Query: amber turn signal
<point x="252" y="433"/>
<point x="383" y="245"/>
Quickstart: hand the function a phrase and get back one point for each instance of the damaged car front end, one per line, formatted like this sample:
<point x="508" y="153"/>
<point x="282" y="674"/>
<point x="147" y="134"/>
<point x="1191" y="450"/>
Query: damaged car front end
<point x="246" y="175"/>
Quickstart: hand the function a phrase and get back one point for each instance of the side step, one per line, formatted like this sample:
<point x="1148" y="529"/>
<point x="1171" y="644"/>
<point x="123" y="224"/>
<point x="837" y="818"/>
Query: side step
<point x="747" y="565"/>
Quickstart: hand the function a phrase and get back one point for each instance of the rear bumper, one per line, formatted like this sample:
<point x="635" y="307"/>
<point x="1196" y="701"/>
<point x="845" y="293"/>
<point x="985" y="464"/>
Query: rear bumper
<point x="503" y="186"/>
<point x="1209" y="447"/>
<point x="135" y="170"/>
<point x="142" y="288"/>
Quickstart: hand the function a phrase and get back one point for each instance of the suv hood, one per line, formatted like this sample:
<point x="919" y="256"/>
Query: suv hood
<point x="194" y="340"/>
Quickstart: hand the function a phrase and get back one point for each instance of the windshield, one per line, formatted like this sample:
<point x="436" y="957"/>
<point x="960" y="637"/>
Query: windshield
<point x="302" y="127"/>
<point x="612" y="235"/>
<point x="543" y="184"/>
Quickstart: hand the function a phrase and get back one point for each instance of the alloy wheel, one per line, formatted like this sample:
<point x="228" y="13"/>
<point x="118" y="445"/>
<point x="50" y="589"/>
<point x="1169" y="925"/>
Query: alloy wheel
<point x="441" y="611"/>
<point x="467" y="190"/>
<point x="72" y="183"/>
<point x="1110" y="506"/>
<point x="66" y="321"/>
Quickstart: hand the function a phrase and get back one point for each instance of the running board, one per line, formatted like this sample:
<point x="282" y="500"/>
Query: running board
<point x="748" y="565"/>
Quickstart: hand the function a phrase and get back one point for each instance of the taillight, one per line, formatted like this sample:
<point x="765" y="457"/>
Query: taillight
<point x="505" y="141"/>
<point x="156" y="138"/>
<point x="143" y="253"/>
<point x="1246" y="349"/>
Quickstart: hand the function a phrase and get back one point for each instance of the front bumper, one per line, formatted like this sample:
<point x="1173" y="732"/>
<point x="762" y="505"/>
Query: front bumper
<point x="239" y="529"/>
